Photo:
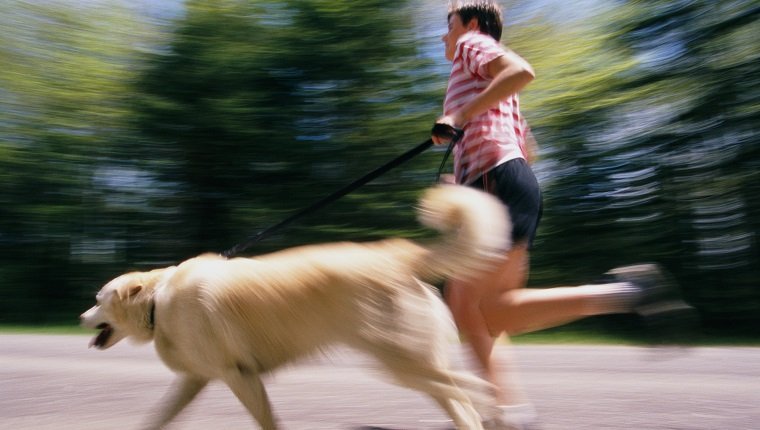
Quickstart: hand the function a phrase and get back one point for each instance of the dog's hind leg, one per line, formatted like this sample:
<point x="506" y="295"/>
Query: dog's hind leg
<point x="439" y="385"/>
<point x="428" y="375"/>
<point x="246" y="384"/>
<point x="452" y="399"/>
<point x="461" y="413"/>
<point x="182" y="392"/>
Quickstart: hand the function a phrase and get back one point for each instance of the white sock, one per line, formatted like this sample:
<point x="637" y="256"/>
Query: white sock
<point x="613" y="298"/>
<point x="518" y="414"/>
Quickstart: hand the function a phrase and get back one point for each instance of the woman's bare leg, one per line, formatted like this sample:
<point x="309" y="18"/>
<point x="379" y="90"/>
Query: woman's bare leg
<point x="498" y="303"/>
<point x="466" y="301"/>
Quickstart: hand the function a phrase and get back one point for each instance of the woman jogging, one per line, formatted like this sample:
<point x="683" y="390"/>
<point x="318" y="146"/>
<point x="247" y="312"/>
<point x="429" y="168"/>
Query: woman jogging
<point x="482" y="99"/>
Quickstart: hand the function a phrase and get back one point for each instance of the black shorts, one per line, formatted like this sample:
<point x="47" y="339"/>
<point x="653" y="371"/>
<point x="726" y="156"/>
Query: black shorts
<point x="516" y="186"/>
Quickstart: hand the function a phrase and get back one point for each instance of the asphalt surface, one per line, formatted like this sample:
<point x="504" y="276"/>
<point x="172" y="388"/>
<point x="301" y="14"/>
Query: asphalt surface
<point x="57" y="383"/>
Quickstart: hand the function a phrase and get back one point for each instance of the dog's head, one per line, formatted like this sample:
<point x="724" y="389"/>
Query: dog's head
<point x="124" y="309"/>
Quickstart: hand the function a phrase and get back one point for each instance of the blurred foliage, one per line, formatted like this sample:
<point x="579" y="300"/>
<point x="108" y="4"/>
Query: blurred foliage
<point x="651" y="152"/>
<point x="578" y="79"/>
<point x="63" y="90"/>
<point x="698" y="77"/>
<point x="131" y="140"/>
<point x="256" y="101"/>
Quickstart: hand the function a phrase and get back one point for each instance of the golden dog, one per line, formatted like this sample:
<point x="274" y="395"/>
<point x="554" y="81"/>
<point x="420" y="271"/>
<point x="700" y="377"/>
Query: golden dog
<point x="236" y="319"/>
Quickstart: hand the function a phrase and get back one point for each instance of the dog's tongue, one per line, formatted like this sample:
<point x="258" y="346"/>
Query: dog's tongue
<point x="102" y="337"/>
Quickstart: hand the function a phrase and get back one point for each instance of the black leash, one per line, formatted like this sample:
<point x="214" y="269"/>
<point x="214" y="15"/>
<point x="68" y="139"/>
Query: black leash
<point x="454" y="138"/>
<point x="441" y="130"/>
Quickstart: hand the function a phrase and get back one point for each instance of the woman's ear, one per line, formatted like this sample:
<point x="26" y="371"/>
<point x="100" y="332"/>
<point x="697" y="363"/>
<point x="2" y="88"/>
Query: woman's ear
<point x="473" y="25"/>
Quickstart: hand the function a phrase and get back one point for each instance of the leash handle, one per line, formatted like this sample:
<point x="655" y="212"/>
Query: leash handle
<point x="447" y="132"/>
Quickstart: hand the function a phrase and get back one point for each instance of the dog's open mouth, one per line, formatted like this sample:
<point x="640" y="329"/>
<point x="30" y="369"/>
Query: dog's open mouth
<point x="105" y="333"/>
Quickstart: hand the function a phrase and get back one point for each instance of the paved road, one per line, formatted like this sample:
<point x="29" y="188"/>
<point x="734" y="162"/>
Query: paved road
<point x="57" y="383"/>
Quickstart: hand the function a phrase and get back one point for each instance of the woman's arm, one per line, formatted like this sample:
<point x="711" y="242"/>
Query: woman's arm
<point x="511" y="74"/>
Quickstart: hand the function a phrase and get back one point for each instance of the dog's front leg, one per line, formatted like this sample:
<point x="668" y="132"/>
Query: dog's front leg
<point x="246" y="384"/>
<point x="183" y="391"/>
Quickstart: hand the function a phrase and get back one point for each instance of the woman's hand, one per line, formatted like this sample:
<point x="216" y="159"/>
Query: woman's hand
<point x="450" y="120"/>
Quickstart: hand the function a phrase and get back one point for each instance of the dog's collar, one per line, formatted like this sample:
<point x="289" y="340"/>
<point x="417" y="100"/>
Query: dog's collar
<point x="152" y="312"/>
<point x="152" y="315"/>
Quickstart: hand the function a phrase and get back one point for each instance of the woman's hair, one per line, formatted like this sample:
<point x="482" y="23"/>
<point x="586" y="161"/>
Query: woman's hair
<point x="487" y="12"/>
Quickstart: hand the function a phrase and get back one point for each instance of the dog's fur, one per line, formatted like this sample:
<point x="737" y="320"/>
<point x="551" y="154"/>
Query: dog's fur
<point x="234" y="320"/>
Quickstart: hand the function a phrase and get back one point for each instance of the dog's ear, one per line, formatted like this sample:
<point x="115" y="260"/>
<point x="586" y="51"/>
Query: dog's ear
<point x="134" y="290"/>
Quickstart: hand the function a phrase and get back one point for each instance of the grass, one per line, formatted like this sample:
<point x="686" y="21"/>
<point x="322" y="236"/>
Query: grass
<point x="43" y="329"/>
<point x="592" y="337"/>
<point x="571" y="338"/>
<point x="559" y="336"/>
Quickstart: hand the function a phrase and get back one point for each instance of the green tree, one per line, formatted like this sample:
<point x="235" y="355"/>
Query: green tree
<point x="698" y="80"/>
<point x="648" y="126"/>
<point x="568" y="107"/>
<point x="62" y="108"/>
<point x="258" y="109"/>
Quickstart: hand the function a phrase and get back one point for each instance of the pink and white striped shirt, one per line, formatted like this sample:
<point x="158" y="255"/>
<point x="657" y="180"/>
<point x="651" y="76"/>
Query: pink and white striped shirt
<point x="495" y="136"/>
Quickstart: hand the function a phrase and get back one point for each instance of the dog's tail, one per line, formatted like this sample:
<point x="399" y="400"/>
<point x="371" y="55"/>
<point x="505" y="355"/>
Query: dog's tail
<point x="475" y="226"/>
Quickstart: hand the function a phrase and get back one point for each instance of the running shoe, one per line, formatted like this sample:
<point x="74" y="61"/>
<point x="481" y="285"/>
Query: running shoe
<point x="660" y="304"/>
